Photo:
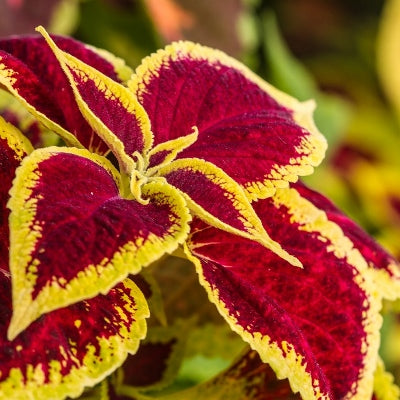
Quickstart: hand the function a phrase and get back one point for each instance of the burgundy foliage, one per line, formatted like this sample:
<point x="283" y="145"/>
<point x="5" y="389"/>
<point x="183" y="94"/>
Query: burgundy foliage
<point x="238" y="122"/>
<point x="318" y="309"/>
<point x="42" y="83"/>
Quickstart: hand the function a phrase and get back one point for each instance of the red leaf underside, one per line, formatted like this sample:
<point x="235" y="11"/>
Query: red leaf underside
<point x="147" y="367"/>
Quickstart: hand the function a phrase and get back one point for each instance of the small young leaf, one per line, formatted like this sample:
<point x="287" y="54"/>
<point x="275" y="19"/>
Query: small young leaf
<point x="216" y="198"/>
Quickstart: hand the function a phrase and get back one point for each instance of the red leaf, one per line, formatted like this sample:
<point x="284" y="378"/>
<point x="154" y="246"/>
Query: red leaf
<point x="72" y="234"/>
<point x="256" y="134"/>
<point x="31" y="72"/>
<point x="384" y="267"/>
<point x="13" y="148"/>
<point x="70" y="348"/>
<point x="318" y="326"/>
<point x="217" y="199"/>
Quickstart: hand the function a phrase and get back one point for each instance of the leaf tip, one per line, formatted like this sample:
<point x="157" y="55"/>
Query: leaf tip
<point x="278" y="250"/>
<point x="47" y="37"/>
<point x="39" y="28"/>
<point x="14" y="330"/>
<point x="293" y="260"/>
<point x="21" y="318"/>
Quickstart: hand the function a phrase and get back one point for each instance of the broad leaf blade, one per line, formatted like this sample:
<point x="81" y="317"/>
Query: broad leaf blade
<point x="384" y="267"/>
<point x="70" y="348"/>
<point x="72" y="234"/>
<point x="29" y="70"/>
<point x="217" y="199"/>
<point x="317" y="326"/>
<point x="259" y="136"/>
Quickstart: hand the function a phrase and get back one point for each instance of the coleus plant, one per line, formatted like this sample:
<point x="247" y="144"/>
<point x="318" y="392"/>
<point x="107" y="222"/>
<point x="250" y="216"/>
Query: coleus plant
<point x="191" y="152"/>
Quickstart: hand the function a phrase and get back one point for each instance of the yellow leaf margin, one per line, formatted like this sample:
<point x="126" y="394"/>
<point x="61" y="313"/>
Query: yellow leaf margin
<point x="24" y="234"/>
<point x="287" y="363"/>
<point x="311" y="151"/>
<point x="15" y="139"/>
<point x="110" y="90"/>
<point x="254" y="229"/>
<point x="97" y="364"/>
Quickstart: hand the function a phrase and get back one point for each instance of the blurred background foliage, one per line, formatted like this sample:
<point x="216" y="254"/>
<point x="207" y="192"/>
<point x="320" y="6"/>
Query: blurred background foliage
<point x="345" y="54"/>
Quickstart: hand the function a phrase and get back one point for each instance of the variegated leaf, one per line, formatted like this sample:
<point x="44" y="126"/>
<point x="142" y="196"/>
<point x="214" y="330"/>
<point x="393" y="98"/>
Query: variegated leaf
<point x="29" y="70"/>
<point x="110" y="109"/>
<point x="73" y="235"/>
<point x="317" y="326"/>
<point x="70" y="348"/>
<point x="216" y="198"/>
<point x="384" y="267"/>
<point x="259" y="136"/>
